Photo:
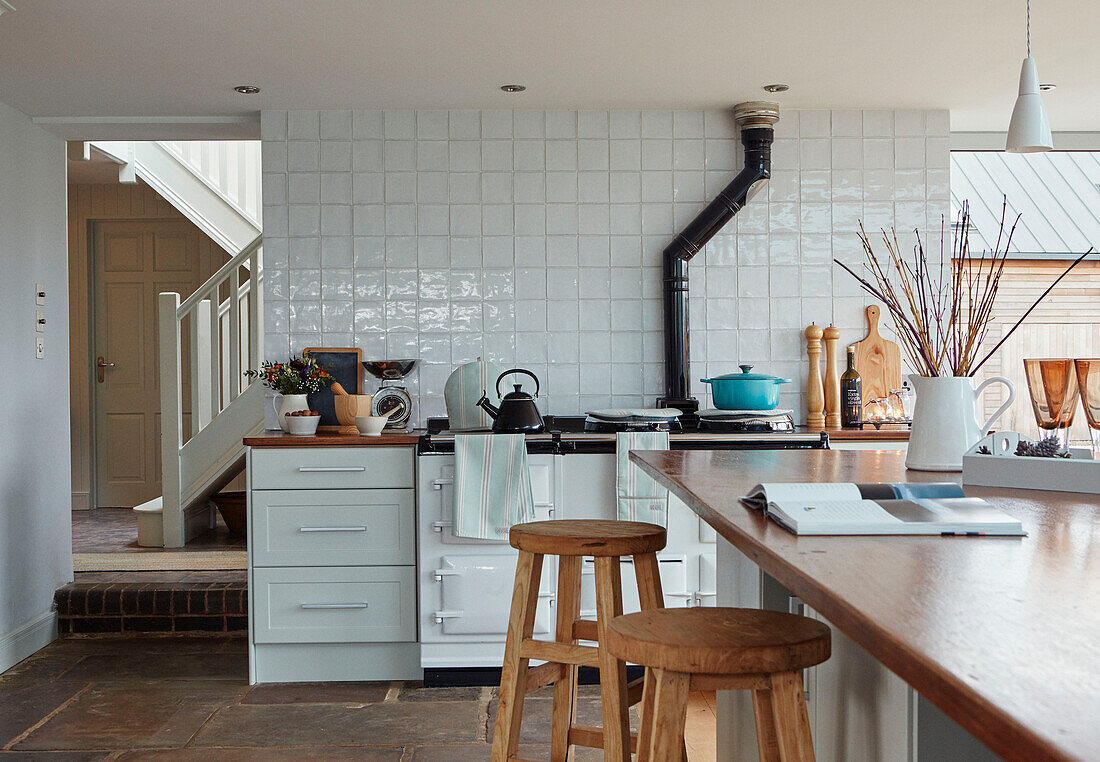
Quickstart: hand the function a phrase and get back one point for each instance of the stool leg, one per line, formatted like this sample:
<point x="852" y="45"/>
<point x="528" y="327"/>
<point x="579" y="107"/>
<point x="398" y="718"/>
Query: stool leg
<point x="764" y="715"/>
<point x="513" y="673"/>
<point x="647" y="572"/>
<point x="565" y="689"/>
<point x="645" y="730"/>
<point x="666" y="730"/>
<point x="616" y="717"/>
<point x="792" y="722"/>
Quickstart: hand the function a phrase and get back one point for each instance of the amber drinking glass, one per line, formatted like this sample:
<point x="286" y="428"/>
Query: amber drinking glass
<point x="1053" y="387"/>
<point x="1088" y="381"/>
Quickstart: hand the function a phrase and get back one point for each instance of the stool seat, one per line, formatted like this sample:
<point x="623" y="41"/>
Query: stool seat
<point x="568" y="537"/>
<point x="719" y="641"/>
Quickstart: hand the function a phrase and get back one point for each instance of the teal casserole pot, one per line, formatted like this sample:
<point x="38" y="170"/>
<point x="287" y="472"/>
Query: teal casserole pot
<point x="745" y="390"/>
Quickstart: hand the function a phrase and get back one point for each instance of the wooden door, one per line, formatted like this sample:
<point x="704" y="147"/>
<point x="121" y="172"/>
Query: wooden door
<point x="132" y="262"/>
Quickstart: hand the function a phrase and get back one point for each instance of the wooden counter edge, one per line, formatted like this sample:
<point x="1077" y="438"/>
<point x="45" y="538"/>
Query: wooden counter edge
<point x="282" y="439"/>
<point x="868" y="435"/>
<point x="998" y="730"/>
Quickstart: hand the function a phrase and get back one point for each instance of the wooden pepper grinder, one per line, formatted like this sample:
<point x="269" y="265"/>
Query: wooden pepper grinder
<point x="815" y="392"/>
<point x="832" y="378"/>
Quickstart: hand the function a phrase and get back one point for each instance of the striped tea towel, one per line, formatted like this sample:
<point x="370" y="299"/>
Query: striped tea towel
<point x="638" y="496"/>
<point x="492" y="485"/>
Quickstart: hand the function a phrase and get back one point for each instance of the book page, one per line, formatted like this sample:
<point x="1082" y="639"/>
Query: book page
<point x="810" y="492"/>
<point x="847" y="514"/>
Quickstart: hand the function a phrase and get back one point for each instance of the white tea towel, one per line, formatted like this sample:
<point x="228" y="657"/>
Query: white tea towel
<point x="492" y="485"/>
<point x="638" y="496"/>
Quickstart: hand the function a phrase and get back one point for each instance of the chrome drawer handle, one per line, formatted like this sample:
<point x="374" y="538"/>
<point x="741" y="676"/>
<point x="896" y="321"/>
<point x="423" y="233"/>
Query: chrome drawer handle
<point x="312" y="606"/>
<point x="329" y="469"/>
<point x="332" y="529"/>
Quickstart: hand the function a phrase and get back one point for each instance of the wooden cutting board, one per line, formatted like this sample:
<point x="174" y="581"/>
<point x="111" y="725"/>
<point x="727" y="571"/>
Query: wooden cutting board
<point x="878" y="361"/>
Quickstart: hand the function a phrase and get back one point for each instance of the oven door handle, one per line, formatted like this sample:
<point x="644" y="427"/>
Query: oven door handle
<point x="439" y="616"/>
<point x="439" y="574"/>
<point x="439" y="526"/>
<point x="438" y="484"/>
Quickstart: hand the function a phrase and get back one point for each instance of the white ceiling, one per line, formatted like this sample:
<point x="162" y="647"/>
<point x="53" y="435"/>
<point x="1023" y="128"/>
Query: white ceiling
<point x="123" y="58"/>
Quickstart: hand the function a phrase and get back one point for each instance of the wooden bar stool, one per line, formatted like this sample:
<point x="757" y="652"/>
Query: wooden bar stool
<point x="571" y="540"/>
<point x="722" y="649"/>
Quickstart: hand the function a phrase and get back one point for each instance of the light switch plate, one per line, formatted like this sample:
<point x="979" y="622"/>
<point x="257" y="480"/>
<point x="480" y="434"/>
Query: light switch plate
<point x="39" y="348"/>
<point x="39" y="294"/>
<point x="39" y="321"/>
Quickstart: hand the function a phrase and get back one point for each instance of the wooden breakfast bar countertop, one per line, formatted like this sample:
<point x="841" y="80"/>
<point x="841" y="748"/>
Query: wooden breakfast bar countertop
<point x="1001" y="633"/>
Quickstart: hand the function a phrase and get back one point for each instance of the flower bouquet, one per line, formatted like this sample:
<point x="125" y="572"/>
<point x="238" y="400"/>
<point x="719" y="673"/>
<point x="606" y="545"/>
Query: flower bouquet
<point x="299" y="375"/>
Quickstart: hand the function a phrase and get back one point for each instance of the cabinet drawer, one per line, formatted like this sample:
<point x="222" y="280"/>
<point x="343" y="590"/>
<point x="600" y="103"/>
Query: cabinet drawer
<point x="333" y="527"/>
<point x="333" y="468"/>
<point x="334" y="605"/>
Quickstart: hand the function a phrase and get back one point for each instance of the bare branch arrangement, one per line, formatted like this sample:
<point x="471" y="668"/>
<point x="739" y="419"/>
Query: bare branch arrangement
<point x="942" y="310"/>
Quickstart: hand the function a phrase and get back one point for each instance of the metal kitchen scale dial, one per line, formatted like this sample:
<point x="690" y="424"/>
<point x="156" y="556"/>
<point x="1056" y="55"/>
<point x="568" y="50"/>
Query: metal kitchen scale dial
<point x="392" y="395"/>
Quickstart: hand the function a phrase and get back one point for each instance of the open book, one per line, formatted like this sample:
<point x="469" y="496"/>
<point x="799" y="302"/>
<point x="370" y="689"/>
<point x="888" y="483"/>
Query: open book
<point x="837" y="508"/>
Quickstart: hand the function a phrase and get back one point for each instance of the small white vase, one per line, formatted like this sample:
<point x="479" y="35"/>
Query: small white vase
<point x="945" y="423"/>
<point x="288" y="403"/>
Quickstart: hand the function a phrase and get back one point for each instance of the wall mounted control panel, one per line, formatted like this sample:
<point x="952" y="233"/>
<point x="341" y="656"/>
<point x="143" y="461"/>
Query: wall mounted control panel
<point x="39" y="321"/>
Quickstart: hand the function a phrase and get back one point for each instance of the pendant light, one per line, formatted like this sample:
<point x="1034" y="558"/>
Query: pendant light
<point x="1029" y="129"/>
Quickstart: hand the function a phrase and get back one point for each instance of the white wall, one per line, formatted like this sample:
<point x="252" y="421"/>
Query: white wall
<point x="35" y="515"/>
<point x="534" y="238"/>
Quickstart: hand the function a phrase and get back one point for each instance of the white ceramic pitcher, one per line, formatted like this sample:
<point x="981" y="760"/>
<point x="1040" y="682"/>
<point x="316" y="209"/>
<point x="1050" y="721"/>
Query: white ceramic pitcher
<point x="288" y="403"/>
<point x="945" y="423"/>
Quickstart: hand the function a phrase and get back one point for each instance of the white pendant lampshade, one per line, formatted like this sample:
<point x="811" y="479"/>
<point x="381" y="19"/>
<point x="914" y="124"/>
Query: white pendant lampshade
<point x="1029" y="129"/>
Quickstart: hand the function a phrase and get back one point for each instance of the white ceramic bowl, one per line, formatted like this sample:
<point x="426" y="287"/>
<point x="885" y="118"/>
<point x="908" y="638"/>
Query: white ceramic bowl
<point x="302" y="425"/>
<point x="371" y="425"/>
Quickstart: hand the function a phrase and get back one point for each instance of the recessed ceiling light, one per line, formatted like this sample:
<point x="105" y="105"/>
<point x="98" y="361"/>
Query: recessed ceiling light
<point x="513" y="88"/>
<point x="247" y="89"/>
<point x="1047" y="86"/>
<point x="776" y="88"/>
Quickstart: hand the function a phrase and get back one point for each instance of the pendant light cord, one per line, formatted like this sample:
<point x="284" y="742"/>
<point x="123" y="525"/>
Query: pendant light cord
<point x="1029" y="28"/>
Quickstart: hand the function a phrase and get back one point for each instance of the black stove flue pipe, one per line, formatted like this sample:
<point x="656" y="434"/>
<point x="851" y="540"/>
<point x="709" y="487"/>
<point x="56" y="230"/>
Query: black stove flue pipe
<point x="756" y="120"/>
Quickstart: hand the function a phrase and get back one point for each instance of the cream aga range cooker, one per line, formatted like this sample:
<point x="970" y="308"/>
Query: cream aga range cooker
<point x="465" y="586"/>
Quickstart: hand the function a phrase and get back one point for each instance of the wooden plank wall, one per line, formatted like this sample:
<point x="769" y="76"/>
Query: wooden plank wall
<point x="1066" y="324"/>
<point x="88" y="203"/>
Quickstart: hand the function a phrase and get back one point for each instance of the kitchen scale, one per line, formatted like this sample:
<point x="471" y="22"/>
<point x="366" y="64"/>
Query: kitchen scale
<point x="392" y="395"/>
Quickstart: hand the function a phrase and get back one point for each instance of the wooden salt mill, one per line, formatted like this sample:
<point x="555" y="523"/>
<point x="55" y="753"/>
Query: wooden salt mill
<point x="832" y="378"/>
<point x="815" y="391"/>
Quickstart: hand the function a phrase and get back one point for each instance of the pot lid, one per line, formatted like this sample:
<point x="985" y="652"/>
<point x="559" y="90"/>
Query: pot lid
<point x="746" y="375"/>
<point x="635" y="414"/>
<point x="736" y="415"/>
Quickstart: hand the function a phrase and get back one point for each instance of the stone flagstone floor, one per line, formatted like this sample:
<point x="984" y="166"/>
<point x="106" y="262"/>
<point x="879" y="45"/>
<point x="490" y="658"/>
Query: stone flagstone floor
<point x="189" y="699"/>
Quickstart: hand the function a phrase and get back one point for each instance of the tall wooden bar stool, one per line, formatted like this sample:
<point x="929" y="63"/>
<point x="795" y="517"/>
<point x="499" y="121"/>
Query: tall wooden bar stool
<point x="722" y="649"/>
<point x="571" y="540"/>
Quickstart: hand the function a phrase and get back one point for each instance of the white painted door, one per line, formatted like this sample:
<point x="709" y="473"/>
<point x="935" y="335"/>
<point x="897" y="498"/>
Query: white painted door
<point x="133" y="261"/>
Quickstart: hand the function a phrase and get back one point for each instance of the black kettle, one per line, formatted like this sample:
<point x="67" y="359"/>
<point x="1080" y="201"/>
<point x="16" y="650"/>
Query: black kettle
<point x="517" y="413"/>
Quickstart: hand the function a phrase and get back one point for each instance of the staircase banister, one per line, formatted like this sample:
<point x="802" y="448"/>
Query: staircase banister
<point x="246" y="287"/>
<point x="218" y="278"/>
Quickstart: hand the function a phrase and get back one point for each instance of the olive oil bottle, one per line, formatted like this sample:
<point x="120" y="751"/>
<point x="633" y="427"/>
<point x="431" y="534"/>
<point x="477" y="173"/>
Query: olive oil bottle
<point x="851" y="394"/>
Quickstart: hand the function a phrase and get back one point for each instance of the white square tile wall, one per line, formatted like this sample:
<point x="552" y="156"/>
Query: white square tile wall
<point x="534" y="238"/>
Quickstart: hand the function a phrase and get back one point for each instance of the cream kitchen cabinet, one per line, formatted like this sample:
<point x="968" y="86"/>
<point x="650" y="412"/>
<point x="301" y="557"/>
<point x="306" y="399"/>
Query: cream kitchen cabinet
<point x="859" y="710"/>
<point x="332" y="564"/>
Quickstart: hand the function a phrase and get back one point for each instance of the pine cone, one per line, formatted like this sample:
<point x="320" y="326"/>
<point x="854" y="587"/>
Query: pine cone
<point x="1047" y="447"/>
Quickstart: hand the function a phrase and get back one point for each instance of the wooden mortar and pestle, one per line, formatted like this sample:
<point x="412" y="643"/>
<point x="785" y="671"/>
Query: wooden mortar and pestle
<point x="349" y="407"/>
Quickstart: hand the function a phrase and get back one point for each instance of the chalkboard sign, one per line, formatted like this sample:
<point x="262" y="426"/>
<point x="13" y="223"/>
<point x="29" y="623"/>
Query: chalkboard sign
<point x="345" y="364"/>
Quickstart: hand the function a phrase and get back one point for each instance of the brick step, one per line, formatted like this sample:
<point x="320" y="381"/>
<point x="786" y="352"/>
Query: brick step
<point x="162" y="607"/>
